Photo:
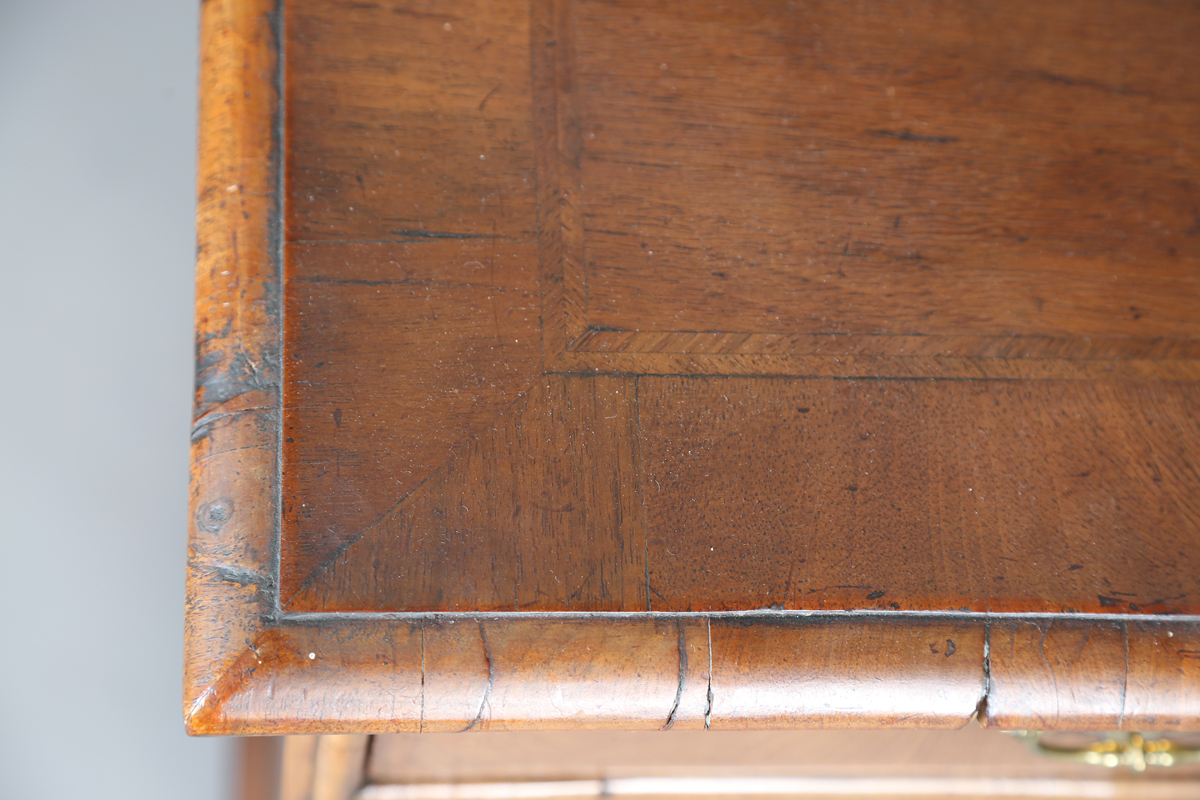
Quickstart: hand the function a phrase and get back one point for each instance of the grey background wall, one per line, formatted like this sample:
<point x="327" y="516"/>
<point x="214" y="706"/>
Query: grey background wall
<point x="97" y="140"/>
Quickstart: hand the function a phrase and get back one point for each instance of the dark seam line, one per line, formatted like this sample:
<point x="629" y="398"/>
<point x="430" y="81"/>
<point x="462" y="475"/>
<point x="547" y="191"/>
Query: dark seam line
<point x="766" y="615"/>
<point x="926" y="337"/>
<point x="981" y="708"/>
<point x="810" y="376"/>
<point x="888" y="356"/>
<point x="1124" y="676"/>
<point x="909" y="136"/>
<point x="421" y="725"/>
<point x="412" y="239"/>
<point x="276" y="546"/>
<point x="417" y="233"/>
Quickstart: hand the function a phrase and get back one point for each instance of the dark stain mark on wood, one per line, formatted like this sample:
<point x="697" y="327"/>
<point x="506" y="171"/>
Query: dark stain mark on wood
<point x="243" y="577"/>
<point x="213" y="515"/>
<point x="909" y="136"/>
<point x="417" y="233"/>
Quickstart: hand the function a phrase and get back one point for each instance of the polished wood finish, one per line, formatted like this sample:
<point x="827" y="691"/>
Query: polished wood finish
<point x="961" y="170"/>
<point x="504" y="674"/>
<point x="234" y="469"/>
<point x="971" y="752"/>
<point x="1123" y="675"/>
<point x="543" y="504"/>
<point x="937" y="495"/>
<point x="568" y="363"/>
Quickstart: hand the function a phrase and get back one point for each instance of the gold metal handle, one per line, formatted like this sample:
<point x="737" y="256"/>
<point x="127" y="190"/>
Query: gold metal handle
<point x="1119" y="749"/>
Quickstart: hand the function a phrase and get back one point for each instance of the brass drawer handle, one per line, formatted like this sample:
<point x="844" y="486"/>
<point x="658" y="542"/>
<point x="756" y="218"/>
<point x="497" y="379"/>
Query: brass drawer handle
<point x="1120" y="749"/>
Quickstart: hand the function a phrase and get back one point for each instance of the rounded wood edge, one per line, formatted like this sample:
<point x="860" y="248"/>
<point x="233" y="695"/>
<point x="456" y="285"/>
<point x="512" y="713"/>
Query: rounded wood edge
<point x="1068" y="674"/>
<point x="343" y="675"/>
<point x="235" y="428"/>
<point x="340" y="674"/>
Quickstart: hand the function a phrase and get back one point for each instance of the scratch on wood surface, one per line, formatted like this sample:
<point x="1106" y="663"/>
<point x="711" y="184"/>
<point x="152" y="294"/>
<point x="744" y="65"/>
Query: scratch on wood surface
<point x="487" y="692"/>
<point x="683" y="664"/>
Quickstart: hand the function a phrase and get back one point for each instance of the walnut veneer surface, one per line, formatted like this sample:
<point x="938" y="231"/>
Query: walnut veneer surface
<point x="605" y="364"/>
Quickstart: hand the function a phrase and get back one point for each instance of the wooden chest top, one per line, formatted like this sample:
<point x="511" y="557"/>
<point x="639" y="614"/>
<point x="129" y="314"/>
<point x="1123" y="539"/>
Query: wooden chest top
<point x="568" y="363"/>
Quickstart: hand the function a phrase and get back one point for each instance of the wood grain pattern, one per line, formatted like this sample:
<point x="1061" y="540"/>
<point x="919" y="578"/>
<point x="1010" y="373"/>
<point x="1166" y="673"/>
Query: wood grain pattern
<point x="503" y="673"/>
<point x="936" y="495"/>
<point x="540" y="511"/>
<point x="328" y="675"/>
<point x="412" y="293"/>
<point x="1022" y="227"/>
<point x="969" y="752"/>
<point x="560" y="192"/>
<point x="521" y="323"/>
<point x="409" y="119"/>
<point x="399" y="354"/>
<point x="394" y="369"/>
<point x="949" y="169"/>
<point x="1133" y="675"/>
<point x="816" y="673"/>
<point x="744" y="788"/>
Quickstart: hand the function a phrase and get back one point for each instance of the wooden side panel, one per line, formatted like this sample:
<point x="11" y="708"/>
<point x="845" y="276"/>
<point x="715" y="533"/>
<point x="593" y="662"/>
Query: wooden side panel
<point x="412" y="305"/>
<point x="541" y="511"/>
<point x="1091" y="675"/>
<point x="234" y="436"/>
<point x="936" y="495"/>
